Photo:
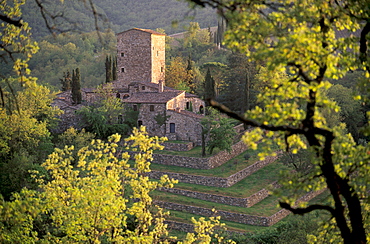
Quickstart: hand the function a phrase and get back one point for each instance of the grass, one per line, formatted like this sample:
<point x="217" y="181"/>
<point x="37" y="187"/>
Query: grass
<point x="232" y="226"/>
<point x="244" y="188"/>
<point x="266" y="207"/>
<point x="230" y="167"/>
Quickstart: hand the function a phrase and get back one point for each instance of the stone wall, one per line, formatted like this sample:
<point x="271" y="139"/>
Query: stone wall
<point x="184" y="227"/>
<point x="185" y="146"/>
<point x="227" y="200"/>
<point x="158" y="58"/>
<point x="187" y="125"/>
<point x="177" y="102"/>
<point x="147" y="118"/>
<point x="197" y="104"/>
<point x="141" y="54"/>
<point x="189" y="228"/>
<point x="236" y="217"/>
<point x="200" y="163"/>
<point x="215" y="181"/>
<point x="283" y="212"/>
<point x="239" y="128"/>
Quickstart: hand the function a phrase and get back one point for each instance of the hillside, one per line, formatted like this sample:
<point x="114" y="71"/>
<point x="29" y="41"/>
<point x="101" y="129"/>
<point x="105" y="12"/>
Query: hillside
<point x="118" y="15"/>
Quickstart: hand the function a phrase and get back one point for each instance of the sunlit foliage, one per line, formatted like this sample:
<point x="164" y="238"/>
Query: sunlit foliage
<point x="311" y="42"/>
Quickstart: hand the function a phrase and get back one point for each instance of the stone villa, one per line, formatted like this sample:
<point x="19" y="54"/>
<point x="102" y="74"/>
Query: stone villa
<point x="140" y="85"/>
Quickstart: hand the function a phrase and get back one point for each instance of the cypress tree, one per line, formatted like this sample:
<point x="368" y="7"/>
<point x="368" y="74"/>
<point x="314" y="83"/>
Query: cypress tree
<point x="76" y="87"/>
<point x="108" y="69"/>
<point x="114" y="69"/>
<point x="66" y="81"/>
<point x="190" y="76"/>
<point x="209" y="87"/>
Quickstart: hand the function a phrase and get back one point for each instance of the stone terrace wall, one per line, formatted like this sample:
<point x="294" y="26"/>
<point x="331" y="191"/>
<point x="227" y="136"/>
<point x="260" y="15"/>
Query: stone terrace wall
<point x="238" y="176"/>
<point x="233" y="201"/>
<point x="237" y="217"/>
<point x="186" y="146"/>
<point x="215" y="181"/>
<point x="283" y="212"/>
<point x="200" y="163"/>
<point x="184" y="227"/>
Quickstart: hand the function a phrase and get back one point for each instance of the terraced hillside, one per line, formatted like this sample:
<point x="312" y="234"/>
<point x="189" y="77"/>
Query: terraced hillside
<point x="238" y="188"/>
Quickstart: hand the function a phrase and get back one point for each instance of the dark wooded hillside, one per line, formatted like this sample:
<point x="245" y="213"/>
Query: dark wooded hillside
<point x="119" y="15"/>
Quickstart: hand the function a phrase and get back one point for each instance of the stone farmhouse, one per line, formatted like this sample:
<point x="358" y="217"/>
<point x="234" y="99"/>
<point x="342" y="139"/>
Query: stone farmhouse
<point x="140" y="85"/>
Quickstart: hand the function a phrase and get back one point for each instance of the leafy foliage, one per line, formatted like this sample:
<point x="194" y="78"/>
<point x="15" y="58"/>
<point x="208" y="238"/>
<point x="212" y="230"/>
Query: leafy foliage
<point x="350" y="110"/>
<point x="177" y="74"/>
<point x="93" y="201"/>
<point x="219" y="131"/>
<point x="102" y="118"/>
<point x="76" y="86"/>
<point x="71" y="137"/>
<point x="301" y="39"/>
<point x="68" y="51"/>
<point x="209" y="86"/>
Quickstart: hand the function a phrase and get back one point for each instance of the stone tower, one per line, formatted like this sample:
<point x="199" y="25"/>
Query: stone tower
<point x="140" y="56"/>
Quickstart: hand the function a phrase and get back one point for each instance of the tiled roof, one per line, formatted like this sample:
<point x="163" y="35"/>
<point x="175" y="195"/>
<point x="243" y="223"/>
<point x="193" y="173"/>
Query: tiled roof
<point x="151" y="97"/>
<point x="144" y="30"/>
<point x="64" y="104"/>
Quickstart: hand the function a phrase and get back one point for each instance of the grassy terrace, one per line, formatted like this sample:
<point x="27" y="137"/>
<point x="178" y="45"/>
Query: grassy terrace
<point x="232" y="226"/>
<point x="244" y="188"/>
<point x="266" y="207"/>
<point x="230" y="167"/>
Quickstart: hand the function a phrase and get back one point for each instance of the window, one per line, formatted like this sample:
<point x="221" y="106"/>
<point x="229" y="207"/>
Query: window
<point x="172" y="128"/>
<point x="187" y="105"/>
<point x="157" y="53"/>
<point x="139" y="123"/>
<point x="161" y="69"/>
<point x="143" y="88"/>
<point x="151" y="107"/>
<point x="122" y="54"/>
<point x="122" y="70"/>
<point x="201" y="109"/>
<point x="134" y="107"/>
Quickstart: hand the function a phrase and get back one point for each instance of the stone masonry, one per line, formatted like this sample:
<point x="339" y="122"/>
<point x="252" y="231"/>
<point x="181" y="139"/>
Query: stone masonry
<point x="140" y="55"/>
<point x="233" y="201"/>
<point x="237" y="217"/>
<point x="215" y="181"/>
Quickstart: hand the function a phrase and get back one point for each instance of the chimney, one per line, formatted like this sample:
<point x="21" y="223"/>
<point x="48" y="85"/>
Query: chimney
<point x="160" y="86"/>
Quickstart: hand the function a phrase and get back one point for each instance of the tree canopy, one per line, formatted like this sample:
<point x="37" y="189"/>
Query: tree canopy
<point x="312" y="42"/>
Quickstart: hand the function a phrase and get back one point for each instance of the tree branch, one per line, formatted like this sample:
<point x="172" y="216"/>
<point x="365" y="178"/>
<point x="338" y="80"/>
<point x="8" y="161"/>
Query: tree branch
<point x="308" y="209"/>
<point x="363" y="43"/>
<point x="17" y="23"/>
